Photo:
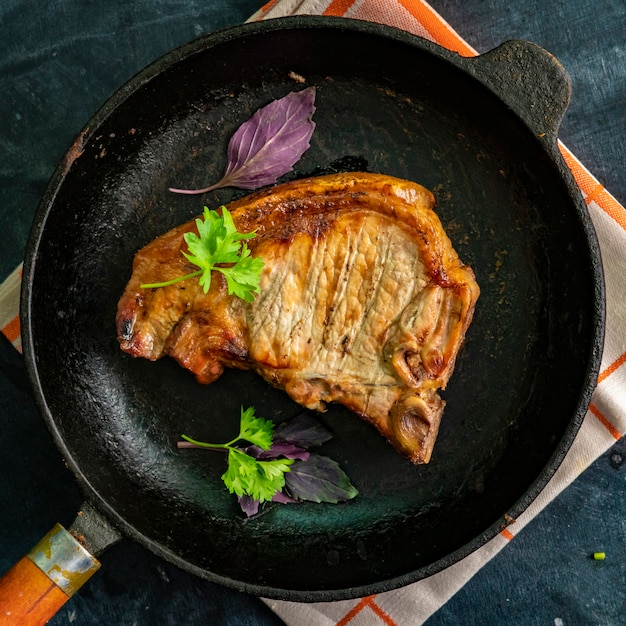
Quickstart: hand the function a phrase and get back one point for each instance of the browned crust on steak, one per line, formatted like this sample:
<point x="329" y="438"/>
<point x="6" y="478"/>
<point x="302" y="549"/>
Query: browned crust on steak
<point x="363" y="302"/>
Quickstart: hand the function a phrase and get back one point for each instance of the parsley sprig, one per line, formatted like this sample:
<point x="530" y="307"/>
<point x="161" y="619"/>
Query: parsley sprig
<point x="220" y="247"/>
<point x="277" y="465"/>
<point x="247" y="476"/>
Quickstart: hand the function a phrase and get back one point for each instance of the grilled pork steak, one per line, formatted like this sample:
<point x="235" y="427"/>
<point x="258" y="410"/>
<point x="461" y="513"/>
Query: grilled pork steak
<point x="363" y="302"/>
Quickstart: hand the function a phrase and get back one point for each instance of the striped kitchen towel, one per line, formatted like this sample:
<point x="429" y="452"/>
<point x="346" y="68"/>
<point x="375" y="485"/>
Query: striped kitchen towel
<point x="604" y="423"/>
<point x="10" y="306"/>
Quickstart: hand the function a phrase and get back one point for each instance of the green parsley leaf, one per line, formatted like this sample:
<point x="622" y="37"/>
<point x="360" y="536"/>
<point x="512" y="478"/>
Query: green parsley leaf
<point x="260" y="480"/>
<point x="243" y="278"/>
<point x="218" y="246"/>
<point x="256" y="430"/>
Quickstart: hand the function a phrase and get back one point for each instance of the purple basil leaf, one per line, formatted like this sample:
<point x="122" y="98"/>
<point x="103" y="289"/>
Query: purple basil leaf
<point x="303" y="431"/>
<point x="248" y="505"/>
<point x="276" y="450"/>
<point x="282" y="498"/>
<point x="269" y="144"/>
<point x="319" y="479"/>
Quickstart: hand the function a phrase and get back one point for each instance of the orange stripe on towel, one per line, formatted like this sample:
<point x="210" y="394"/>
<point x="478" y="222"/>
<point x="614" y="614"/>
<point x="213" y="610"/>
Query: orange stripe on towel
<point x="441" y="31"/>
<point x="594" y="194"/>
<point x="611" y="207"/>
<point x="338" y="7"/>
<point x="12" y="330"/>
<point x="612" y="368"/>
<point x="383" y="616"/>
<point x="605" y="422"/>
<point x="594" y="191"/>
<point x="267" y="6"/>
<point x="354" y="611"/>
<point x="369" y="601"/>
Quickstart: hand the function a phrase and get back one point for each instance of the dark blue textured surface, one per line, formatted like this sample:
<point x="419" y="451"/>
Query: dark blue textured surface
<point x="60" y="61"/>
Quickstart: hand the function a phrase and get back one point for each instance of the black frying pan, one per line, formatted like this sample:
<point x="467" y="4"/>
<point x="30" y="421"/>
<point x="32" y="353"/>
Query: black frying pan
<point x="481" y="134"/>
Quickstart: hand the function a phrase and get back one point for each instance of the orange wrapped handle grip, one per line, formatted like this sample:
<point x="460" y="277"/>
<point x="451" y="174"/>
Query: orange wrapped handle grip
<point x="38" y="585"/>
<point x="28" y="596"/>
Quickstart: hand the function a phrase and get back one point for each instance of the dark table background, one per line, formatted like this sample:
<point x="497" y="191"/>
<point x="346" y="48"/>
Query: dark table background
<point x="59" y="61"/>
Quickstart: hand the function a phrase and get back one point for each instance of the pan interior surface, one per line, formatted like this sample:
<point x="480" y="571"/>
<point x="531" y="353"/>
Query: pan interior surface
<point x="383" y="105"/>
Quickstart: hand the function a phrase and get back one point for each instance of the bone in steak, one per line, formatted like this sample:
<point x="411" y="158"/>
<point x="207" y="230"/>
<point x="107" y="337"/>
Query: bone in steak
<point x="363" y="302"/>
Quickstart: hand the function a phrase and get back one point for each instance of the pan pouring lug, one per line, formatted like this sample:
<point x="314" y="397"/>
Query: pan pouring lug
<point x="528" y="79"/>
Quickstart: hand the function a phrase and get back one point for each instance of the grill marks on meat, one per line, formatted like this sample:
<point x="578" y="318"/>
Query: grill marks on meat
<point x="363" y="302"/>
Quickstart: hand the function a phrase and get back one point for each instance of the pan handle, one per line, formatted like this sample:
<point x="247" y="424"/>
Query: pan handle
<point x="40" y="583"/>
<point x="530" y="80"/>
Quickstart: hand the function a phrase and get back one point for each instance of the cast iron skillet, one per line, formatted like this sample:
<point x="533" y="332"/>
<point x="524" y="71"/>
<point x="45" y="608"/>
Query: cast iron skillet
<point x="480" y="133"/>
